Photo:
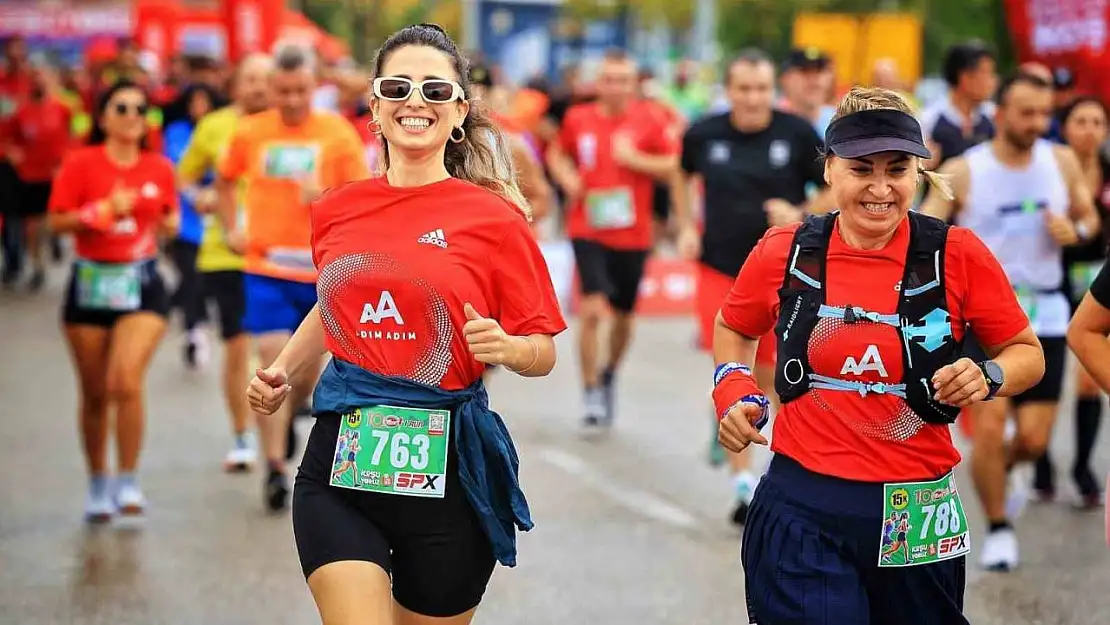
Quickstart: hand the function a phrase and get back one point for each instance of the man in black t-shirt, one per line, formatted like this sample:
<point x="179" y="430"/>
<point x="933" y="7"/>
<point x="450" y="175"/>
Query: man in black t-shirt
<point x="964" y="117"/>
<point x="758" y="167"/>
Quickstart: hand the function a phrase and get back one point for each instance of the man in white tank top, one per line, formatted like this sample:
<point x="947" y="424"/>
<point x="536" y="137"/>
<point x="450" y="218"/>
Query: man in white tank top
<point x="1026" y="199"/>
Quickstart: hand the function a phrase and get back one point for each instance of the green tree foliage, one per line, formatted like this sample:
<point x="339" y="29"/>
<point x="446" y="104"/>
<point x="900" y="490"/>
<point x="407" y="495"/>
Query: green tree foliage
<point x="768" y="23"/>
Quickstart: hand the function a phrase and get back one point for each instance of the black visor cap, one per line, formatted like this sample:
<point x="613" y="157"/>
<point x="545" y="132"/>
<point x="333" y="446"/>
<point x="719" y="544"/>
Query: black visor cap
<point x="871" y="132"/>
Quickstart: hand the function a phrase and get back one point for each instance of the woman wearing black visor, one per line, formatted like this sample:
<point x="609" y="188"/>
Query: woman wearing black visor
<point x="858" y="519"/>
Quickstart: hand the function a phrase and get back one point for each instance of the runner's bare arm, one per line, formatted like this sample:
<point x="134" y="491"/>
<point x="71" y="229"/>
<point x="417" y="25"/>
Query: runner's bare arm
<point x="1087" y="337"/>
<point x="683" y="191"/>
<point x="1081" y="208"/>
<point x="563" y="170"/>
<point x="63" y="222"/>
<point x="170" y="225"/>
<point x="957" y="174"/>
<point x="1021" y="359"/>
<point x="533" y="184"/>
<point x="534" y="355"/>
<point x="658" y="166"/>
<point x="732" y="346"/>
<point x="305" y="347"/>
<point x="225" y="203"/>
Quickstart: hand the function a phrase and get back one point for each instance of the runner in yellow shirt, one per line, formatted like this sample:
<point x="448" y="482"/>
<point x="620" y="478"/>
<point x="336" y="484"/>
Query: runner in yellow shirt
<point x="221" y="270"/>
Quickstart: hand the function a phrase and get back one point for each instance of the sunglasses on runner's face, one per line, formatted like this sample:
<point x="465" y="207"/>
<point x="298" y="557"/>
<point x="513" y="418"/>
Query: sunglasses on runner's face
<point x="434" y="90"/>
<point x="123" y="108"/>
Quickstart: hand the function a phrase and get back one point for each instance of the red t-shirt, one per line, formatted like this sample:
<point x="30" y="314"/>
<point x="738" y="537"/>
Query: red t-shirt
<point x="875" y="438"/>
<point x="397" y="264"/>
<point x="616" y="211"/>
<point x="87" y="175"/>
<point x="14" y="88"/>
<point x="41" y="130"/>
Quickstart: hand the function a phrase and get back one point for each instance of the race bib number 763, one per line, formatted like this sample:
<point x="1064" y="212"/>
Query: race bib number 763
<point x="393" y="450"/>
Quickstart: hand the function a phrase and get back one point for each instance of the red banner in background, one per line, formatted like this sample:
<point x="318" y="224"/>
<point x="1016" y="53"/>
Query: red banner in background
<point x="31" y="19"/>
<point x="1068" y="33"/>
<point x="156" y="26"/>
<point x="252" y="25"/>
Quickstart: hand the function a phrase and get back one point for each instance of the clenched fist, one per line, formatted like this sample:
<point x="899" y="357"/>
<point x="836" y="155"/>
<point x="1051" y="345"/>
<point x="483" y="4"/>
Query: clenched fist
<point x="737" y="430"/>
<point x="961" y="383"/>
<point x="487" y="341"/>
<point x="1061" y="229"/>
<point x="268" y="390"/>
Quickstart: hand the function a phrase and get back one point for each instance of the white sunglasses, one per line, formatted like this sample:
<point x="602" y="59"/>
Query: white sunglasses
<point x="434" y="91"/>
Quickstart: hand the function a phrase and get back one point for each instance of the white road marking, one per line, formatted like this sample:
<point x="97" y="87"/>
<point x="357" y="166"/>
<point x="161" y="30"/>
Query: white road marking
<point x="634" y="499"/>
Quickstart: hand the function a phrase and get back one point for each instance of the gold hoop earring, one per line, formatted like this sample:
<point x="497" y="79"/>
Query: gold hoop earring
<point x="461" y="132"/>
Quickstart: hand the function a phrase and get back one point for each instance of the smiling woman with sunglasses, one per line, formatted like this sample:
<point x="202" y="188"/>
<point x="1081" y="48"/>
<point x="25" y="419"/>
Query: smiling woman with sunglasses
<point x="427" y="274"/>
<point x="117" y="199"/>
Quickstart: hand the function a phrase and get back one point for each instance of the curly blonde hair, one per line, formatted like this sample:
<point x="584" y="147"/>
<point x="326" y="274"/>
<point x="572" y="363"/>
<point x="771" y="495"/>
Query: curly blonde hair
<point x="874" y="99"/>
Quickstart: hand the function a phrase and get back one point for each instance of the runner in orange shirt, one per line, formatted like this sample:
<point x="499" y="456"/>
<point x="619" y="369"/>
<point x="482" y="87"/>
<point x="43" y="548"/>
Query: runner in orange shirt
<point x="285" y="156"/>
<point x="608" y="155"/>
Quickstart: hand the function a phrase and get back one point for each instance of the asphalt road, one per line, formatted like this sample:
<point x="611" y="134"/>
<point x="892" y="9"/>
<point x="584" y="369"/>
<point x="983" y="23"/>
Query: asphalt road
<point x="631" y="526"/>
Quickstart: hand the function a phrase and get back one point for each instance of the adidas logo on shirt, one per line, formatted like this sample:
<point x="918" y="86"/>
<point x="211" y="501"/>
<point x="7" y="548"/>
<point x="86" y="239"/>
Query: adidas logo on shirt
<point x="435" y="237"/>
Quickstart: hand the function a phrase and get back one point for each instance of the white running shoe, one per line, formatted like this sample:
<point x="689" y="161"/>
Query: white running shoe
<point x="241" y="458"/>
<point x="1017" y="490"/>
<point x="1000" y="551"/>
<point x="130" y="501"/>
<point x="595" y="407"/>
<point x="99" y="508"/>
<point x="197" y="349"/>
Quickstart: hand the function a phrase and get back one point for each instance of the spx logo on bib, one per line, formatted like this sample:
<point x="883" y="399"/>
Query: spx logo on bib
<point x="931" y="332"/>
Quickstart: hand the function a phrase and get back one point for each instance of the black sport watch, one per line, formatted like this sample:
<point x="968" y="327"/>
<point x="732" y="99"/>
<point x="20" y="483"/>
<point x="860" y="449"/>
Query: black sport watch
<point x="993" y="373"/>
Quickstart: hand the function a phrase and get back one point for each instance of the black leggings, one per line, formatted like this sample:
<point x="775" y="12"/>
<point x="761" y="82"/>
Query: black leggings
<point x="187" y="297"/>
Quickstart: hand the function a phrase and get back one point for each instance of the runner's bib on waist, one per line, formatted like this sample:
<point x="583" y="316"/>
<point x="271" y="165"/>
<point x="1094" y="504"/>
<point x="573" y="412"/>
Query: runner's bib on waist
<point x="923" y="522"/>
<point x="393" y="450"/>
<point x="116" y="287"/>
<point x="610" y="209"/>
<point x="291" y="162"/>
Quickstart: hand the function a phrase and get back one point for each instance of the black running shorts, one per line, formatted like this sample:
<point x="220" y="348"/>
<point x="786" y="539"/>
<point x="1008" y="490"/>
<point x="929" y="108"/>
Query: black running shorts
<point x="153" y="298"/>
<point x="434" y="549"/>
<point x="614" y="273"/>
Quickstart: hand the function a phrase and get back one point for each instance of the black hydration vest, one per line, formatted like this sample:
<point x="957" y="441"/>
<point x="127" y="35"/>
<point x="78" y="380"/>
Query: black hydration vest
<point x="922" y="315"/>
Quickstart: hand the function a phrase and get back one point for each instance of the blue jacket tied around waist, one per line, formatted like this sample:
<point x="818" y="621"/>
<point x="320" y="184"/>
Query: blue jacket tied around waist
<point x="487" y="460"/>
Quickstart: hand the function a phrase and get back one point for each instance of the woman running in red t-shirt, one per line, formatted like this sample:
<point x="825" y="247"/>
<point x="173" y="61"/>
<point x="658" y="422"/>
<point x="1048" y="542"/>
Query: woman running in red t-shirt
<point x="117" y="199"/>
<point x="426" y="275"/>
<point x="870" y="306"/>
